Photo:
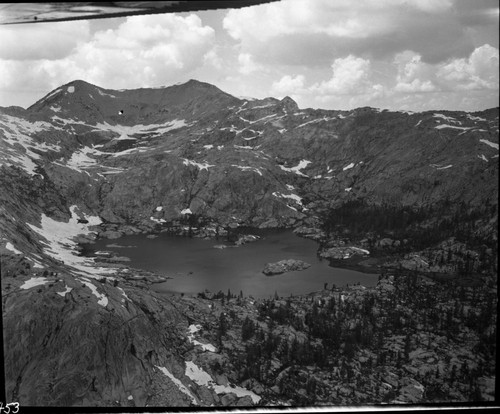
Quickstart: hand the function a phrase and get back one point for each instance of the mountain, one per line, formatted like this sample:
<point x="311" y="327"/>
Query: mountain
<point x="92" y="162"/>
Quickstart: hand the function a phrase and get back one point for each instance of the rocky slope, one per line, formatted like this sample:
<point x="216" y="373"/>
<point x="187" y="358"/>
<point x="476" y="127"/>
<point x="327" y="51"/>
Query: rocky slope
<point x="87" y="162"/>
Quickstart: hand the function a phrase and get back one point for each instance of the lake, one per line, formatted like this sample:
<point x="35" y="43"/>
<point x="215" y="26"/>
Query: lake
<point x="195" y="265"/>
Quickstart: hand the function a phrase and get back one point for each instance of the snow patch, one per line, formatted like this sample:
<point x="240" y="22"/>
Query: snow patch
<point x="491" y="144"/>
<point x="101" y="298"/>
<point x="247" y="168"/>
<point x="475" y="118"/>
<point x="71" y="89"/>
<point x="10" y="246"/>
<point x="204" y="166"/>
<point x="186" y="211"/>
<point x="105" y="94"/>
<point x="124" y="294"/>
<point x="442" y="126"/>
<point x="192" y="330"/>
<point x="34" y="281"/>
<point x="67" y="290"/>
<point x="159" y="208"/>
<point x="302" y="164"/>
<point x="348" y="167"/>
<point x="155" y="129"/>
<point x="260" y="119"/>
<point x="201" y="377"/>
<point x="179" y="384"/>
<point x="314" y="121"/>
<point x="129" y="151"/>
<point x="482" y="157"/>
<point x="80" y="159"/>
<point x="447" y="118"/>
<point x="293" y="197"/>
<point x="262" y="106"/>
<point x="51" y="94"/>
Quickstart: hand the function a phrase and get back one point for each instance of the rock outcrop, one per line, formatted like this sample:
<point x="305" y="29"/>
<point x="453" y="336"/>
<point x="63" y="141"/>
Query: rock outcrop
<point x="283" y="266"/>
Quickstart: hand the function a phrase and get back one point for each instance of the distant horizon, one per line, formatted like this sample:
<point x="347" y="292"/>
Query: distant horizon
<point x="245" y="98"/>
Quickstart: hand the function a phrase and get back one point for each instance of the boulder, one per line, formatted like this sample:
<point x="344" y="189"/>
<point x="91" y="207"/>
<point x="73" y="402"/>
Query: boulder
<point x="246" y="238"/>
<point x="111" y="234"/>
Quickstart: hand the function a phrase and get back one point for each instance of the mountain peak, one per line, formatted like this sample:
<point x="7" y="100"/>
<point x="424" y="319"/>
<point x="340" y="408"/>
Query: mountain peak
<point x="289" y="104"/>
<point x="128" y="106"/>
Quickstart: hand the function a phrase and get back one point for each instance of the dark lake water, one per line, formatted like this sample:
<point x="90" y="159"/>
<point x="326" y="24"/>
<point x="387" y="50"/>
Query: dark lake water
<point x="195" y="265"/>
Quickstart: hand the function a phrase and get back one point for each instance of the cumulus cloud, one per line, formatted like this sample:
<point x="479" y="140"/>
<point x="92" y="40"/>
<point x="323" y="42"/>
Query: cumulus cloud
<point x="406" y="82"/>
<point x="288" y="85"/>
<point x="351" y="76"/>
<point x="413" y="75"/>
<point x="375" y="29"/>
<point x="479" y="71"/>
<point x="141" y="51"/>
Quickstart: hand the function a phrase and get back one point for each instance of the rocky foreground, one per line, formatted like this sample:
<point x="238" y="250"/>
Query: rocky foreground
<point x="408" y="340"/>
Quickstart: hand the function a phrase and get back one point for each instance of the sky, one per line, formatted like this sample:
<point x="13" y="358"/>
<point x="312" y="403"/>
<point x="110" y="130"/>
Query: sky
<point x="334" y="54"/>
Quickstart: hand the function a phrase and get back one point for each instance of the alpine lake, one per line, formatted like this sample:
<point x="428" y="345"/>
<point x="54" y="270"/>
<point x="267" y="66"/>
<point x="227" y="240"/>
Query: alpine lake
<point x="196" y="264"/>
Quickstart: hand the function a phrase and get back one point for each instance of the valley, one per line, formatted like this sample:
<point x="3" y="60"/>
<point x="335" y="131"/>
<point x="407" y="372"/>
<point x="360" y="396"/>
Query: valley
<point x="407" y="202"/>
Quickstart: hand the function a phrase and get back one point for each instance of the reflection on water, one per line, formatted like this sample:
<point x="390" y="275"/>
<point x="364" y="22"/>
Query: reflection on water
<point x="195" y="265"/>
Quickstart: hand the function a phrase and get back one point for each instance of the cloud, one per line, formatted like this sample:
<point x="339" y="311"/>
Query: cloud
<point x="42" y="41"/>
<point x="406" y="82"/>
<point x="141" y="51"/>
<point x="479" y="71"/>
<point x="351" y="76"/>
<point x="413" y="75"/>
<point x="288" y="85"/>
<point x="213" y="59"/>
<point x="247" y="64"/>
<point x="301" y="32"/>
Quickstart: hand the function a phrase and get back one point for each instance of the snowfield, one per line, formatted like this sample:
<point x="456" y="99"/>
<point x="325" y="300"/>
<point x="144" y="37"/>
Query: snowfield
<point x="60" y="245"/>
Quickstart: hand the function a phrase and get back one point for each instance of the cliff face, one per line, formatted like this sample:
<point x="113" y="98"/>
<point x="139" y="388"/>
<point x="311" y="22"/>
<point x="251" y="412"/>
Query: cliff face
<point x="84" y="160"/>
